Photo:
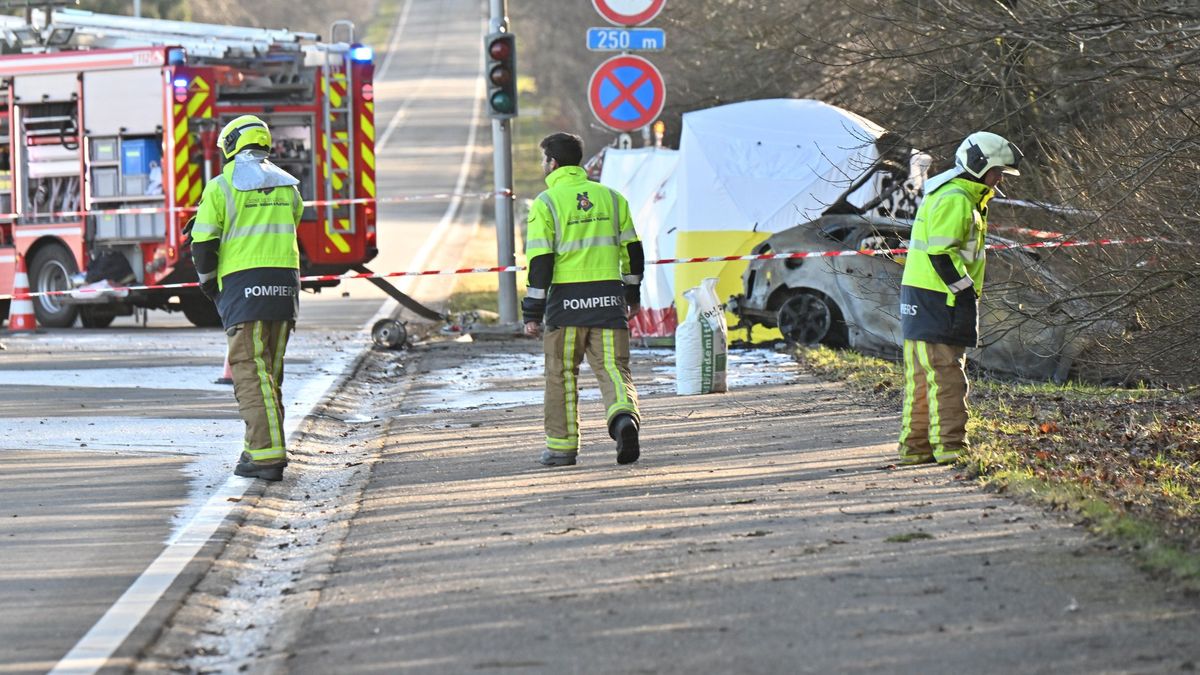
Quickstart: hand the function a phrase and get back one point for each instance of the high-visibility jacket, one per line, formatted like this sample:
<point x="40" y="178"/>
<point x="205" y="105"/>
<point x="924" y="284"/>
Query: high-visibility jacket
<point x="952" y="222"/>
<point x="258" y="255"/>
<point x="586" y="230"/>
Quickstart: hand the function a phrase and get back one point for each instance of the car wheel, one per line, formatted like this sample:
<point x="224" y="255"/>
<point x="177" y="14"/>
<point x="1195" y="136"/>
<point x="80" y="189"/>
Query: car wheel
<point x="810" y="319"/>
<point x="96" y="317"/>
<point x="51" y="269"/>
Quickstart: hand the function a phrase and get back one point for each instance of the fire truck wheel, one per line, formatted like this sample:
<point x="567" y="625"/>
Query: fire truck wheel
<point x="200" y="311"/>
<point x="96" y="317"/>
<point x="51" y="269"/>
<point x="4" y="308"/>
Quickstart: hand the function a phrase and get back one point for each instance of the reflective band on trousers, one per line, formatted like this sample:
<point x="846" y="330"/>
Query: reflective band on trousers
<point x="265" y="382"/>
<point x="570" y="386"/>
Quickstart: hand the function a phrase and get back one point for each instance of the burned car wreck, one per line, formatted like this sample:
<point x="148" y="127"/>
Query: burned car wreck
<point x="853" y="300"/>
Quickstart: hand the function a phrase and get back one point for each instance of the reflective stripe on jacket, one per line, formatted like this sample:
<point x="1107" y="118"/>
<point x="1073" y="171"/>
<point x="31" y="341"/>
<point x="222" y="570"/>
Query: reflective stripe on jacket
<point x="951" y="221"/>
<point x="585" y="225"/>
<point x="258" y="257"/>
<point x="256" y="228"/>
<point x="587" y="228"/>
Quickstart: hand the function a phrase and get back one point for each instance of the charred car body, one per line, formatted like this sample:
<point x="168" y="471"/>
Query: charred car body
<point x="853" y="300"/>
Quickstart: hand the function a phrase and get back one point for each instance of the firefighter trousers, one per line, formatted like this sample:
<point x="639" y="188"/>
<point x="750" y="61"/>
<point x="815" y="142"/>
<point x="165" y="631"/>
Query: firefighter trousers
<point x="256" y="350"/>
<point x="607" y="351"/>
<point x="934" y="422"/>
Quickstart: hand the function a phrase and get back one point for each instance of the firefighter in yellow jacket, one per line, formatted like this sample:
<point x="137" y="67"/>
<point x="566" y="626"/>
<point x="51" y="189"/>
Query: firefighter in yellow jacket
<point x="585" y="273"/>
<point x="246" y="256"/>
<point x="939" y="293"/>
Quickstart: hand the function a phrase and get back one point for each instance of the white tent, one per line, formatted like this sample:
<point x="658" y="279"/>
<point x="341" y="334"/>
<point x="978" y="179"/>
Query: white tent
<point x="768" y="165"/>
<point x="646" y="176"/>
<point x="743" y="172"/>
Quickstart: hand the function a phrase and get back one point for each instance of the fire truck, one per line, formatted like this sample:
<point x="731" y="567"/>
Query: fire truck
<point x="108" y="129"/>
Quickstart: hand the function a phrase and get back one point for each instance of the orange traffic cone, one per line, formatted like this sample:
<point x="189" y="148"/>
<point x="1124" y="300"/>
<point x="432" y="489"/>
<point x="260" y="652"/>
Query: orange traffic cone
<point x="227" y="376"/>
<point x="20" y="313"/>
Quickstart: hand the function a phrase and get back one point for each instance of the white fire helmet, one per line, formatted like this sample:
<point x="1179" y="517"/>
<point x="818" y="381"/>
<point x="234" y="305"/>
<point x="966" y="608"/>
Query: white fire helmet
<point x="983" y="150"/>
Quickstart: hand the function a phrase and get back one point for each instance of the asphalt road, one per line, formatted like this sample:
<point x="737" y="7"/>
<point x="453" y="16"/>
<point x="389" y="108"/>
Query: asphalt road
<point x="112" y="440"/>
<point x="764" y="530"/>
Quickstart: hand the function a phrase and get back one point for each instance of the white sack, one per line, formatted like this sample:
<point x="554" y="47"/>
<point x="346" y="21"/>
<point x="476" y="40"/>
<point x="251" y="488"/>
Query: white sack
<point x="701" y="342"/>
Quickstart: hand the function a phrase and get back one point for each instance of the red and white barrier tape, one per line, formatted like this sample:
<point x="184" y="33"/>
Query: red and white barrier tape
<point x="902" y="251"/>
<point x="145" y="210"/>
<point x="1030" y="232"/>
<point x="666" y="261"/>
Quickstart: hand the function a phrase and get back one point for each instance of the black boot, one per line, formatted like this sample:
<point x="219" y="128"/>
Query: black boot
<point x="624" y="430"/>
<point x="249" y="468"/>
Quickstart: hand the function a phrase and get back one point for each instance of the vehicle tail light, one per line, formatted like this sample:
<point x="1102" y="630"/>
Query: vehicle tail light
<point x="369" y="217"/>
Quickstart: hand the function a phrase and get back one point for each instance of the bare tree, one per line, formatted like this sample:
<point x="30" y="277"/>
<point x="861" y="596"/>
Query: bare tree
<point x="1101" y="96"/>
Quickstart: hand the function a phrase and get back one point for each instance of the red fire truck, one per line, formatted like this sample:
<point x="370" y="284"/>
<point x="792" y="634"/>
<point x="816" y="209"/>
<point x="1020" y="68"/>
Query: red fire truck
<point x="107" y="135"/>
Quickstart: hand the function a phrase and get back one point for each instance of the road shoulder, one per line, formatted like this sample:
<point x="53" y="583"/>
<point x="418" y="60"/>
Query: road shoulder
<point x="764" y="530"/>
<point x="248" y="607"/>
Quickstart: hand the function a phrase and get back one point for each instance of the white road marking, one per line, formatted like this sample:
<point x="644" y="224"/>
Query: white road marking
<point x="402" y="111"/>
<point x="421" y="260"/>
<point x="464" y="172"/>
<point x="394" y="43"/>
<point x="90" y="654"/>
<point x="94" y="649"/>
<point x="191" y="378"/>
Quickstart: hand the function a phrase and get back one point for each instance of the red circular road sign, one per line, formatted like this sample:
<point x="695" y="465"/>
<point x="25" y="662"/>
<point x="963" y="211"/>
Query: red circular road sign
<point x="628" y="12"/>
<point x="626" y="93"/>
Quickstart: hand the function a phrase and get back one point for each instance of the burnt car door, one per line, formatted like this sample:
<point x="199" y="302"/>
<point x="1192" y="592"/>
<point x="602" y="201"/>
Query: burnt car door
<point x="872" y="282"/>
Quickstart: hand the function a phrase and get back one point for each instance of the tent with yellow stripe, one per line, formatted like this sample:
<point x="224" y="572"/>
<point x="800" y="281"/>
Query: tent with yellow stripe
<point x="744" y="172"/>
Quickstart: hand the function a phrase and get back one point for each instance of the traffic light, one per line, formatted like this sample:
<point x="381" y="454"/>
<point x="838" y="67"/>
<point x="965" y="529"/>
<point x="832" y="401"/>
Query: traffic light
<point x="501" y="51"/>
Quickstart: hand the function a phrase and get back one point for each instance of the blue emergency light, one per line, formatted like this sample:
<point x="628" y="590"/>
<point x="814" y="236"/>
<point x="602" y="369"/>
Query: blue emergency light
<point x="181" y="82"/>
<point x="361" y="53"/>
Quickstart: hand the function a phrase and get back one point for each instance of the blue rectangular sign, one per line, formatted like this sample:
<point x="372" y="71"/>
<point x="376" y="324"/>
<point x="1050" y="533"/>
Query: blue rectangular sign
<point x="626" y="39"/>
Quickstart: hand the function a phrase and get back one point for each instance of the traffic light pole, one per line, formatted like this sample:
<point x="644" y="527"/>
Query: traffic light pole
<point x="502" y="170"/>
<point x="505" y="230"/>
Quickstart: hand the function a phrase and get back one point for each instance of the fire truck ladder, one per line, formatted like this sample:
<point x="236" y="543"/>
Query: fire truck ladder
<point x="339" y="136"/>
<point x="199" y="39"/>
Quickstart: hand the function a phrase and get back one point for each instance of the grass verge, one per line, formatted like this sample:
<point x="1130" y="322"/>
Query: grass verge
<point x="1125" y="462"/>
<point x="478" y="292"/>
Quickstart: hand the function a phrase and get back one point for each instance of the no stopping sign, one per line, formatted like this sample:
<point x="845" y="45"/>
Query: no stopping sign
<point x="626" y="93"/>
